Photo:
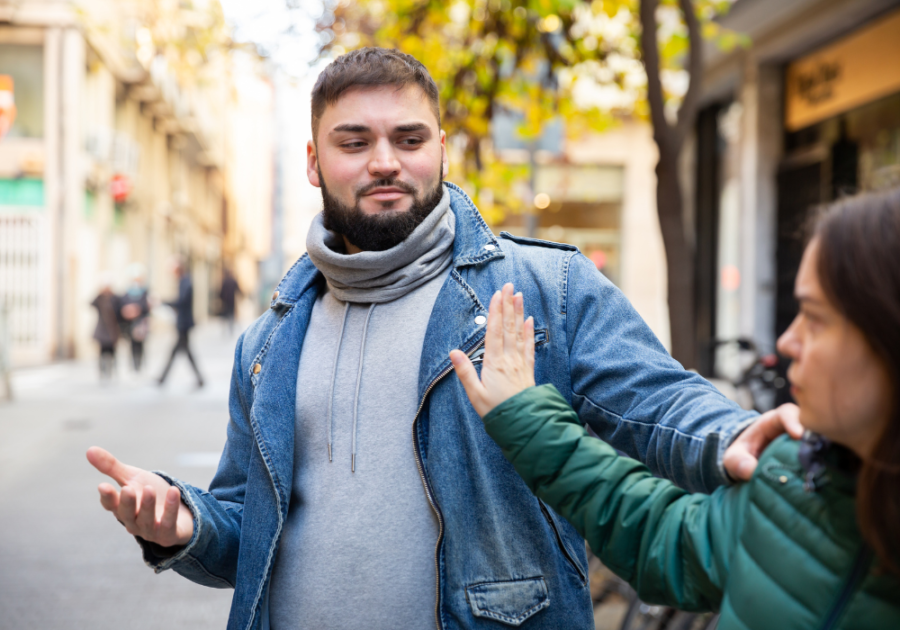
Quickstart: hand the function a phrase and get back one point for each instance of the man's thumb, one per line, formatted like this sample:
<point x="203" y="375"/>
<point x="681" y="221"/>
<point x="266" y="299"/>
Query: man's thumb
<point x="746" y="467"/>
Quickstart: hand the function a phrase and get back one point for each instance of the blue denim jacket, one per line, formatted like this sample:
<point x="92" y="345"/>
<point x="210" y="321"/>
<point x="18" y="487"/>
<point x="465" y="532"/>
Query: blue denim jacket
<point x="502" y="556"/>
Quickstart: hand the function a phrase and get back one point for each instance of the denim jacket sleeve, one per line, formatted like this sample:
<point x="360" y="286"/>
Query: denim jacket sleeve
<point x="634" y="395"/>
<point x="210" y="557"/>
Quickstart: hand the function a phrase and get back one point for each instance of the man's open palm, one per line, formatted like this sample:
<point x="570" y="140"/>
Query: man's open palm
<point x="147" y="505"/>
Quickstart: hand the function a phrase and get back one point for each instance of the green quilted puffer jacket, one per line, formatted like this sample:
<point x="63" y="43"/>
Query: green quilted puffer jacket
<point x="780" y="552"/>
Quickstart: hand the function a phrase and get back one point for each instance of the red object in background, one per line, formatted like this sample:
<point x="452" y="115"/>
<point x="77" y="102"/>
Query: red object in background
<point x="731" y="278"/>
<point x="120" y="187"/>
<point x="7" y="104"/>
<point x="598" y="257"/>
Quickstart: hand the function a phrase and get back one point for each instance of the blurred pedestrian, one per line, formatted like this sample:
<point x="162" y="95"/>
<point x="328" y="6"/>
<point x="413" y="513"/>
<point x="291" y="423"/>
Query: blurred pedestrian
<point x="184" y="321"/>
<point x="813" y="539"/>
<point x="228" y="294"/>
<point x="134" y="311"/>
<point x="107" y="330"/>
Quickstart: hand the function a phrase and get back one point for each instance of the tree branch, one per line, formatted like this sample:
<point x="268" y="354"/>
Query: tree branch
<point x="662" y="132"/>
<point x="688" y="110"/>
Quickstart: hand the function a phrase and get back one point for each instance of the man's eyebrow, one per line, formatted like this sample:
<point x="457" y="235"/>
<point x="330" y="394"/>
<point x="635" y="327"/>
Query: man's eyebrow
<point x="351" y="128"/>
<point x="411" y="127"/>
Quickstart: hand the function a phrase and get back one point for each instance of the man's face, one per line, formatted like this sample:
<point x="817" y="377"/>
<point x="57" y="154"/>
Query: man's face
<point x="379" y="158"/>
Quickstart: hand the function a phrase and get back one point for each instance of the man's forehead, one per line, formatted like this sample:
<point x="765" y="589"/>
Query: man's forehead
<point x="409" y="104"/>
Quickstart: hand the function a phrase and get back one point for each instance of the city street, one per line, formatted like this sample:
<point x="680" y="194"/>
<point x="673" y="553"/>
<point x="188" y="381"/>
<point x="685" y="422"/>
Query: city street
<point x="64" y="562"/>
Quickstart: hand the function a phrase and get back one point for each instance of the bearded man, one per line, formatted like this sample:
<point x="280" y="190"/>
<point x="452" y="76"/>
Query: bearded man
<point x="358" y="488"/>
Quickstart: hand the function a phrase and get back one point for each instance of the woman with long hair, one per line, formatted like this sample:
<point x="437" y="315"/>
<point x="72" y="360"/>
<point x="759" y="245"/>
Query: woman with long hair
<point x="813" y="539"/>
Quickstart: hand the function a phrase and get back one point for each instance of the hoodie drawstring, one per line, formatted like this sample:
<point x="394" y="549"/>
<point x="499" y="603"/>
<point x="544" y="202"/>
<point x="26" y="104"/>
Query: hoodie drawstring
<point x="337" y="352"/>
<point x="362" y="353"/>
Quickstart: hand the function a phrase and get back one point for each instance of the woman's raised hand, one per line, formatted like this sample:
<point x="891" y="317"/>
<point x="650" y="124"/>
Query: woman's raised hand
<point x="508" y="366"/>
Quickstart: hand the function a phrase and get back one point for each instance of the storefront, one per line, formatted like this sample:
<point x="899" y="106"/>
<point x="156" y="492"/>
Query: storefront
<point x="807" y="113"/>
<point x="842" y="136"/>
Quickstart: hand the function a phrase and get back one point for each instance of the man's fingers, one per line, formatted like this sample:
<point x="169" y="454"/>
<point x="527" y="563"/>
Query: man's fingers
<point x="170" y="513"/>
<point x="742" y="456"/>
<point x="127" y="508"/>
<point x="109" y="497"/>
<point x="103" y="460"/>
<point x="790" y="418"/>
<point x="146" y="516"/>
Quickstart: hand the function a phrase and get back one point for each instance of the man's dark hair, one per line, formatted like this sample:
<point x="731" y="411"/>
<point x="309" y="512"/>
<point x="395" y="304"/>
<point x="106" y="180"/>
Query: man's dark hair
<point x="370" y="67"/>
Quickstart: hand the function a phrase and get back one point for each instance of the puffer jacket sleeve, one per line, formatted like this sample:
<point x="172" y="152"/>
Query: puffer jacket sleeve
<point x="634" y="395"/>
<point x="673" y="547"/>
<point x="210" y="557"/>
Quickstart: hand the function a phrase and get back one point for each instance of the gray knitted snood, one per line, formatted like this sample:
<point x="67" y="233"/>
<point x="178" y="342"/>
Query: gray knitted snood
<point x="378" y="277"/>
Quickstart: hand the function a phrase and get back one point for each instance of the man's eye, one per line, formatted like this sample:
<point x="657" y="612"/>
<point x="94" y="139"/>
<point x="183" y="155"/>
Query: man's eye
<point x="353" y="145"/>
<point x="411" y="141"/>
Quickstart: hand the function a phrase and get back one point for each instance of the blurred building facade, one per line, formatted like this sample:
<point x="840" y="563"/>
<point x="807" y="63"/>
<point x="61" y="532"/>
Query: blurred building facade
<point x="808" y="112"/>
<point x="114" y="158"/>
<point x="597" y="192"/>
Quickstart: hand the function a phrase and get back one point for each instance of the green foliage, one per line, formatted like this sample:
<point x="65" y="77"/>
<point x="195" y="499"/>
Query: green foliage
<point x="541" y="59"/>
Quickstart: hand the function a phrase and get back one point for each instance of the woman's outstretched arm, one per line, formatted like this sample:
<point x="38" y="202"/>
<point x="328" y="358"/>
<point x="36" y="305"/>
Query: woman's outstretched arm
<point x="672" y="546"/>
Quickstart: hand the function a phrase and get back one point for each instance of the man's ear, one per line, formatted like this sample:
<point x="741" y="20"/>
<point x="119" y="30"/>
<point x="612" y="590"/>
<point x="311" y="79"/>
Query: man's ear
<point x="312" y="164"/>
<point x="445" y="159"/>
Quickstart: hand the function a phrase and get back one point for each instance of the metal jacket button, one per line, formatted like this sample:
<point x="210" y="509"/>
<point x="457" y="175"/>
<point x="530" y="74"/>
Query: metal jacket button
<point x="490" y="248"/>
<point x="275" y="296"/>
<point x="257" y="368"/>
<point x="480" y="320"/>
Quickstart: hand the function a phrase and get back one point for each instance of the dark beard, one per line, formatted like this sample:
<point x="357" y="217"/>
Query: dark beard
<point x="376" y="233"/>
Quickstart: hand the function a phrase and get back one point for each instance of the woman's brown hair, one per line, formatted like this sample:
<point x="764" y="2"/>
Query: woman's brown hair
<point x="859" y="269"/>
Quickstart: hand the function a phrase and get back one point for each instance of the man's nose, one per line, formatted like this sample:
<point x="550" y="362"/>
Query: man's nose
<point x="384" y="162"/>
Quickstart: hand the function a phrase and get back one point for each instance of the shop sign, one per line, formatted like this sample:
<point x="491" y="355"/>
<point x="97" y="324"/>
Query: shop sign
<point x="120" y="187"/>
<point x="853" y="71"/>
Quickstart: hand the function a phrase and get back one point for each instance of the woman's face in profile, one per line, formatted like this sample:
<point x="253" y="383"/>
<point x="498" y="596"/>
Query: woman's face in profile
<point x="840" y="384"/>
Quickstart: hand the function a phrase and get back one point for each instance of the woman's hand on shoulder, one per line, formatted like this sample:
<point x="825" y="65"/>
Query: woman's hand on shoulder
<point x="508" y="366"/>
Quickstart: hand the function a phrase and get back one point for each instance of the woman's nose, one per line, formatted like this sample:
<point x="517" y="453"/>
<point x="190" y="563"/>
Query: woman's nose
<point x="788" y="344"/>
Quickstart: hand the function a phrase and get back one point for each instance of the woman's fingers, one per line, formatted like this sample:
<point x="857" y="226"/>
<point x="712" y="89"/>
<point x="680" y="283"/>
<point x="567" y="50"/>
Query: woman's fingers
<point x="509" y="319"/>
<point x="529" y="345"/>
<point x="468" y="376"/>
<point x="493" y="341"/>
<point x="519" y="305"/>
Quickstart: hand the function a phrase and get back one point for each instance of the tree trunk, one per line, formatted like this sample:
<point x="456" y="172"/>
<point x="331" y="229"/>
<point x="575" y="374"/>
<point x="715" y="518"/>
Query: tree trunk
<point x="669" y="201"/>
<point x="679" y="260"/>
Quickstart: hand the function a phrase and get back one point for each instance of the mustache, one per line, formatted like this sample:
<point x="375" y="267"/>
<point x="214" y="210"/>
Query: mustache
<point x="386" y="183"/>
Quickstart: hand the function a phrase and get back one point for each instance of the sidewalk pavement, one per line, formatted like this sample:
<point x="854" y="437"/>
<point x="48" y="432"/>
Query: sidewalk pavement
<point x="65" y="563"/>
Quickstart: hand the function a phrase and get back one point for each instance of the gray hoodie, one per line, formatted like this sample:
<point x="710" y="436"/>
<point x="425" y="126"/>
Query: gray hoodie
<point x="358" y="548"/>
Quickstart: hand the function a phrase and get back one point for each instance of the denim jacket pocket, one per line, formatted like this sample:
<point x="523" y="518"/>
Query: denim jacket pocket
<point x="510" y="602"/>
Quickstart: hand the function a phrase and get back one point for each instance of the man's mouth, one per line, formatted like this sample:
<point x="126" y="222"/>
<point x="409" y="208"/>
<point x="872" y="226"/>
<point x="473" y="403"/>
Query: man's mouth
<point x="388" y="193"/>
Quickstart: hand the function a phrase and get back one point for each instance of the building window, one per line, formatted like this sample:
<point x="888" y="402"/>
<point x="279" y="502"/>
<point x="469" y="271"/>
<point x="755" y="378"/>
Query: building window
<point x="25" y="64"/>
<point x="580" y="204"/>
